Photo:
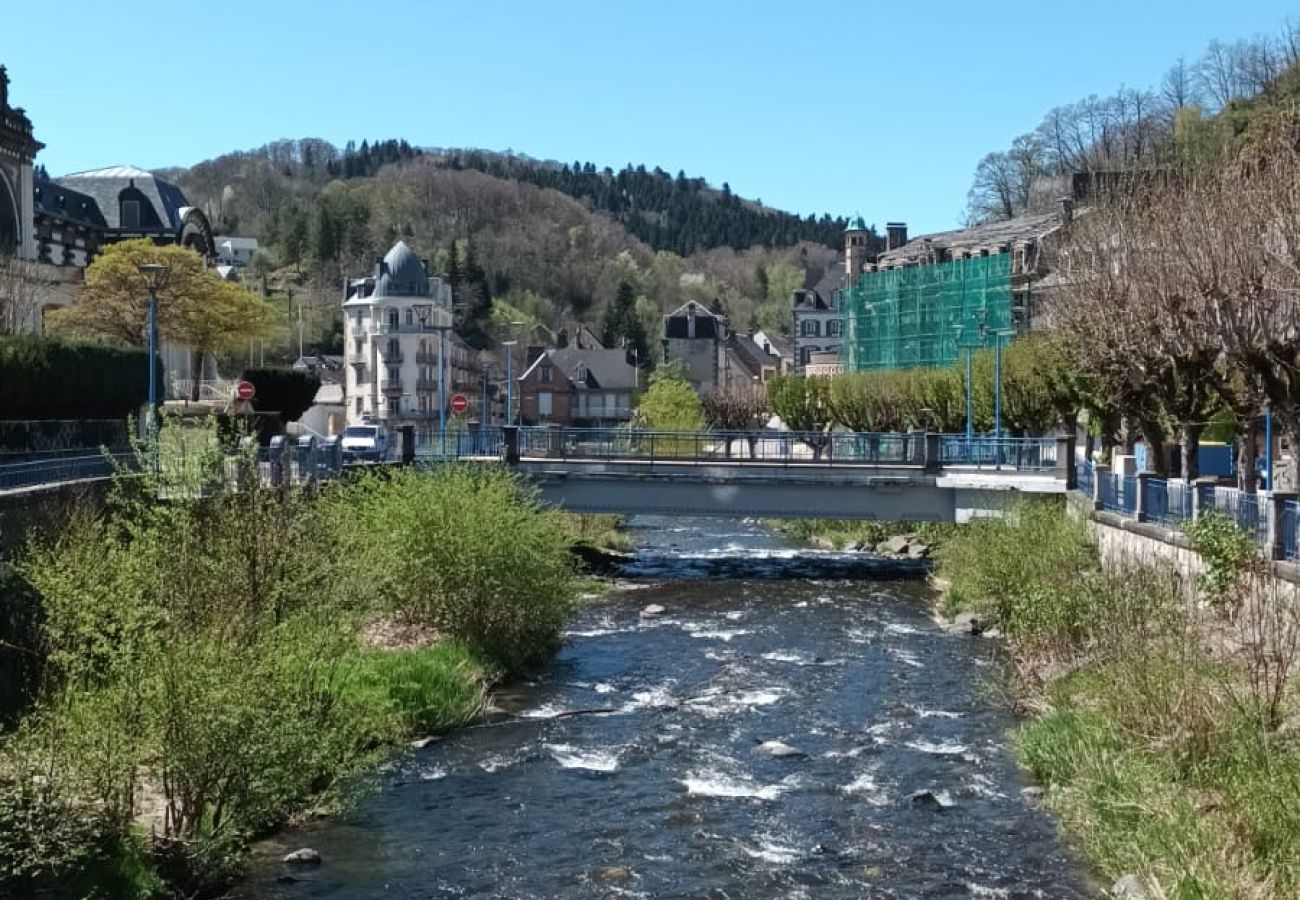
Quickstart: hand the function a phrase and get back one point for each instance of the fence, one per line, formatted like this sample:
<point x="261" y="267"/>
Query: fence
<point x="1173" y="503"/>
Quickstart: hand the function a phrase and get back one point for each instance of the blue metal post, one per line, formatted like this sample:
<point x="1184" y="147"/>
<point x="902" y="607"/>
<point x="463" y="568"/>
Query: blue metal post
<point x="997" y="400"/>
<point x="442" y="390"/>
<point x="970" y="420"/>
<point x="151" y="430"/>
<point x="1268" y="445"/>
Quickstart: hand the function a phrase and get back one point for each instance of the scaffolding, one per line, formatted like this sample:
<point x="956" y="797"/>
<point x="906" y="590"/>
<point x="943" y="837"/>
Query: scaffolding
<point x="925" y="315"/>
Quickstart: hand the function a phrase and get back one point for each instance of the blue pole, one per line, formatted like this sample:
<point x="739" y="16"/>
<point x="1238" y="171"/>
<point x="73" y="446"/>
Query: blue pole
<point x="997" y="399"/>
<point x="442" y="390"/>
<point x="1268" y="446"/>
<point x="970" y="421"/>
<point x="151" y="434"/>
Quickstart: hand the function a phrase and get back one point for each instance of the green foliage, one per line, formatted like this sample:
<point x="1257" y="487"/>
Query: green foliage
<point x="622" y="327"/>
<point x="1228" y="553"/>
<point x="285" y="391"/>
<point x="424" y="689"/>
<point x="1027" y="570"/>
<point x="467" y="551"/>
<point x="802" y="403"/>
<point x="48" y="378"/>
<point x="670" y="403"/>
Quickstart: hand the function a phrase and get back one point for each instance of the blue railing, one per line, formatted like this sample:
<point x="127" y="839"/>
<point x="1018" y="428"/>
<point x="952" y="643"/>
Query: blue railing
<point x="1083" y="477"/>
<point x="1109" y="493"/>
<point x="1166" y="502"/>
<point x="1289" y="528"/>
<point x="62" y="467"/>
<point x="1031" y="454"/>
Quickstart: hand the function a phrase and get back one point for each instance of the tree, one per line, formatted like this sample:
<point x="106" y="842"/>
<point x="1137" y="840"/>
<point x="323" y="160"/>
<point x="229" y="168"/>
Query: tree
<point x="18" y="305"/>
<point x="621" y="325"/>
<point x="670" y="403"/>
<point x="196" y="307"/>
<point x="803" y="404"/>
<point x="735" y="409"/>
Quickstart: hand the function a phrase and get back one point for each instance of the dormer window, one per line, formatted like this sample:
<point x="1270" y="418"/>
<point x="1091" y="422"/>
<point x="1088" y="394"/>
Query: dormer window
<point x="582" y="373"/>
<point x="130" y="214"/>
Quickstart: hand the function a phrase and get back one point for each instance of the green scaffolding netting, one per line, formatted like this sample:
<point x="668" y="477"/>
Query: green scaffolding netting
<point x="925" y="315"/>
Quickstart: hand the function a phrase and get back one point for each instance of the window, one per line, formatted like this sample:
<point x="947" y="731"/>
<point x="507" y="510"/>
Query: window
<point x="811" y="328"/>
<point x="394" y="322"/>
<point x="130" y="214"/>
<point x="805" y="354"/>
<point x="359" y="346"/>
<point x="544" y="375"/>
<point x="410" y="317"/>
<point x="395" y="376"/>
<point x="359" y="405"/>
<point x="544" y="403"/>
<point x="833" y="328"/>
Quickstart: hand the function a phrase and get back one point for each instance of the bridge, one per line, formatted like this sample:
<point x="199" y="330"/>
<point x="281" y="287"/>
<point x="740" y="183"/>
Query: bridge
<point x="916" y="477"/>
<point x="834" y="475"/>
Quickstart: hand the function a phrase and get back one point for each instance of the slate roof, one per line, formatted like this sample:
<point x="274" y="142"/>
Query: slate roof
<point x="821" y="294"/>
<point x="782" y="346"/>
<point x="104" y="185"/>
<point x="708" y="324"/>
<point x="402" y="274"/>
<point x="986" y="235"/>
<point x="62" y="202"/>
<point x="607" y="370"/>
<point x="749" y="355"/>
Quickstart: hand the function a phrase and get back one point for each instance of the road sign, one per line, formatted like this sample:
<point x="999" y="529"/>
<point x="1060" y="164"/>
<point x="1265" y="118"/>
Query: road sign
<point x="245" y="390"/>
<point x="459" y="403"/>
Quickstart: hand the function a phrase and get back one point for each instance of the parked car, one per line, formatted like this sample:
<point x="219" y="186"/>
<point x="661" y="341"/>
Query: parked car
<point x="365" y="443"/>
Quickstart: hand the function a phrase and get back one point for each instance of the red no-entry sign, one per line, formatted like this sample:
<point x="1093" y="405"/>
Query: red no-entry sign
<point x="245" y="390"/>
<point x="459" y="403"/>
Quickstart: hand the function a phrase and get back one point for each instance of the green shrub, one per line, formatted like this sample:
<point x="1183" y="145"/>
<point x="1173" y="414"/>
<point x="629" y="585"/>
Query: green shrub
<point x="468" y="551"/>
<point x="1228" y="553"/>
<point x="424" y="689"/>
<point x="285" y="391"/>
<point x="50" y="378"/>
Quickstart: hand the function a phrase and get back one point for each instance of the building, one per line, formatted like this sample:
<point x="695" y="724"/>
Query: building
<point x="746" y="364"/>
<point x="822" y="365"/>
<point x="781" y="347"/>
<point x="391" y="325"/>
<point x="235" y="251"/>
<point x="818" y="325"/>
<point x="55" y="227"/>
<point x="696" y="337"/>
<point x="583" y="388"/>
<point x="925" y="301"/>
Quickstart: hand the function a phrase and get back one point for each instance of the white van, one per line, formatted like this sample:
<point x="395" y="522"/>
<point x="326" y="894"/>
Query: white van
<point x="368" y="443"/>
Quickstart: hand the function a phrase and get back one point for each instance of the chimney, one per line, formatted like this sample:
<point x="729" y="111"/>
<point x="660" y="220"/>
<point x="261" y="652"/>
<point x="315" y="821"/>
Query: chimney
<point x="896" y="235"/>
<point x="690" y="321"/>
<point x="534" y="351"/>
<point x="1067" y="210"/>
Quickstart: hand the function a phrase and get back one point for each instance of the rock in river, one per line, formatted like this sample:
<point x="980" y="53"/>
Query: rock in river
<point x="303" y="857"/>
<point x="654" y="609"/>
<point x="779" y="749"/>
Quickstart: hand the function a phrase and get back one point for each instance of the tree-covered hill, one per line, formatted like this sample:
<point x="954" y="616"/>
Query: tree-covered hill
<point x="504" y="235"/>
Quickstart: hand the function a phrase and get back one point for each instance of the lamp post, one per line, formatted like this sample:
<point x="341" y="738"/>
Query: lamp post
<point x="997" y="393"/>
<point x="510" y="356"/>
<point x="981" y="332"/>
<point x="1268" y="446"/>
<point x="152" y="273"/>
<point x="424" y="311"/>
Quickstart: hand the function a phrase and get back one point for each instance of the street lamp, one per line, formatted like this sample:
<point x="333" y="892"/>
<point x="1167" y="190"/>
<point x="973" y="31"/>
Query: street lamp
<point x="153" y="274"/>
<point x="424" y="311"/>
<point x="510" y="356"/>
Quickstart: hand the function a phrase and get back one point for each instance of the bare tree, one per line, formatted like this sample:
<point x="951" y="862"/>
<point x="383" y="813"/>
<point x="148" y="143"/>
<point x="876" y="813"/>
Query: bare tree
<point x="1179" y="88"/>
<point x="19" y="307"/>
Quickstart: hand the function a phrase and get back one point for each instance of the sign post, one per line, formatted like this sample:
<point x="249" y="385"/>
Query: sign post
<point x="245" y="391"/>
<point x="459" y="404"/>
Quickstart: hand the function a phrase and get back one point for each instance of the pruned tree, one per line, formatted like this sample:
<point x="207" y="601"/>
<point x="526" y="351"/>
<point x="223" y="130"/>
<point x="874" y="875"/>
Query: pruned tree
<point x="19" y="306"/>
<point x="735" y="409"/>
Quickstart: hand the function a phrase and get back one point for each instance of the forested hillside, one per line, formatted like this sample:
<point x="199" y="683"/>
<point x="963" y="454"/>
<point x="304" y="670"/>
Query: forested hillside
<point x="542" y="241"/>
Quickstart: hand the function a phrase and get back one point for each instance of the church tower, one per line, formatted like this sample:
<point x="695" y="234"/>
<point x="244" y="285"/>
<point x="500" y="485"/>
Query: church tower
<point x="17" y="150"/>
<point x="857" y="246"/>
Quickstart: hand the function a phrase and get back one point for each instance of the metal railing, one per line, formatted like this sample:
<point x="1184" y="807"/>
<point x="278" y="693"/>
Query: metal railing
<point x="1028" y="454"/>
<point x="1289" y="528"/>
<point x="1083" y="478"/>
<point x="62" y="467"/>
<point x="1166" y="502"/>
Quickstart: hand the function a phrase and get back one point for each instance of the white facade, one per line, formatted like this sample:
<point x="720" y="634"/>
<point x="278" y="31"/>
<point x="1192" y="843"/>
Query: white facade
<point x="236" y="251"/>
<point x="391" y="343"/>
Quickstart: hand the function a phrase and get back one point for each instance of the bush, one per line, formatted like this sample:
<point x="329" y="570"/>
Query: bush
<point x="285" y="391"/>
<point x="424" y="689"/>
<point x="467" y="551"/>
<point x="50" y="378"/>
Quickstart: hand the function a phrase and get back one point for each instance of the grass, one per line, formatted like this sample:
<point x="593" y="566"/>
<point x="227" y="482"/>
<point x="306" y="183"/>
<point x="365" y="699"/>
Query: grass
<point x="844" y="533"/>
<point x="424" y="689"/>
<point x="1156" y="751"/>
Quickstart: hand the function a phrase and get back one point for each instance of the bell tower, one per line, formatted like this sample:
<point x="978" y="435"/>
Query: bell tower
<point x="17" y="150"/>
<point x="857" y="246"/>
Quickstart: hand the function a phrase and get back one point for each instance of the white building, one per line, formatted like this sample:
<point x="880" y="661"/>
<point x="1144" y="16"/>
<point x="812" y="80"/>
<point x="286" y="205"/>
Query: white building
<point x="235" y="251"/>
<point x="391" y="324"/>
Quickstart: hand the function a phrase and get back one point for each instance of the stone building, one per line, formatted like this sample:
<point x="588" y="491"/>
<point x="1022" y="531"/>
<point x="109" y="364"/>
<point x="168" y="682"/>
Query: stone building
<point x="696" y="337"/>
<point x="53" y="228"/>
<point x="391" y="341"/>
<point x="579" y="387"/>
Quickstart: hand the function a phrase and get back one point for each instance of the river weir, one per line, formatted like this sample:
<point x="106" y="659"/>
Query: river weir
<point x="793" y="724"/>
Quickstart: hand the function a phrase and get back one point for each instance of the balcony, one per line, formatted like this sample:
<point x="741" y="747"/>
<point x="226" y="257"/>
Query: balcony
<point x="392" y="388"/>
<point x="390" y="354"/>
<point x="426" y="358"/>
<point x="426" y="385"/>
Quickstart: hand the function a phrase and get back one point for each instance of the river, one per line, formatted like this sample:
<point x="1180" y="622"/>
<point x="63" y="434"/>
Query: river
<point x="632" y="766"/>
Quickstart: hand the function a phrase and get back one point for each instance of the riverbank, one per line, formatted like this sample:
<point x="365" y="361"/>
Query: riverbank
<point x="215" y="668"/>
<point x="1163" y="721"/>
<point x="888" y="539"/>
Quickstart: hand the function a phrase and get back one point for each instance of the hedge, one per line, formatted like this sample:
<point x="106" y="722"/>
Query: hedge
<point x="288" y="392"/>
<point x="51" y="378"/>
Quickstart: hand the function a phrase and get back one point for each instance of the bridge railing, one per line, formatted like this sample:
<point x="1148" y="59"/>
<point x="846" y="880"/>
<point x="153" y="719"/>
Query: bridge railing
<point x="62" y="466"/>
<point x="986" y="452"/>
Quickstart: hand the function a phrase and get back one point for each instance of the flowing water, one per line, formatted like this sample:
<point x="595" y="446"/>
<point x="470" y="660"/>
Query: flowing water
<point x="632" y="766"/>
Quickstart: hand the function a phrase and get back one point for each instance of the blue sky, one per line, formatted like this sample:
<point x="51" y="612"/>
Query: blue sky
<point x="816" y="106"/>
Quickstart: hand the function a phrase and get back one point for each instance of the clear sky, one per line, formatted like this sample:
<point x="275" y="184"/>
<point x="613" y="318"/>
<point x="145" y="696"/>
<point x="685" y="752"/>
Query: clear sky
<point x="812" y="106"/>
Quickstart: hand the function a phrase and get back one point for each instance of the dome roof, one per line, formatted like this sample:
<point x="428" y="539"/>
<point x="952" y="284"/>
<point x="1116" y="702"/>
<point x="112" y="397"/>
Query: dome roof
<point x="857" y="223"/>
<point x="401" y="274"/>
